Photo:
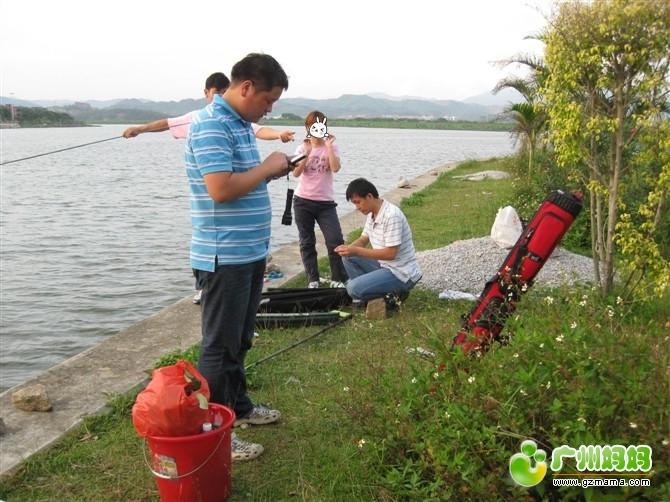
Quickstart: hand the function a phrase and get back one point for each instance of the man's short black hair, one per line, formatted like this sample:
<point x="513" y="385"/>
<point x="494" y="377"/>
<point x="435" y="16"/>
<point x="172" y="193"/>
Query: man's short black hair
<point x="264" y="70"/>
<point x="361" y="187"/>
<point x="217" y="81"/>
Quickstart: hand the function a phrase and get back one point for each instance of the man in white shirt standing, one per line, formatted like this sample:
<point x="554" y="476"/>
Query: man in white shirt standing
<point x="388" y="269"/>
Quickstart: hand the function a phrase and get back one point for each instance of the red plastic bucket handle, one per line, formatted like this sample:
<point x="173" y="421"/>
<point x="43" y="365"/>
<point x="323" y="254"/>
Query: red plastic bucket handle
<point x="163" y="476"/>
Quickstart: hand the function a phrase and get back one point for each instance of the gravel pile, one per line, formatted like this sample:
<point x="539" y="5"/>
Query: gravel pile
<point x="467" y="265"/>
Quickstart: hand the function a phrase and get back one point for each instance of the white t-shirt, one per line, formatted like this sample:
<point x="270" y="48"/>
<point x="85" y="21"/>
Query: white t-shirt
<point x="179" y="126"/>
<point x="389" y="229"/>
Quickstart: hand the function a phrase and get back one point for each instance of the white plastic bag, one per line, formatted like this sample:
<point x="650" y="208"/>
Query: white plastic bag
<point x="506" y="228"/>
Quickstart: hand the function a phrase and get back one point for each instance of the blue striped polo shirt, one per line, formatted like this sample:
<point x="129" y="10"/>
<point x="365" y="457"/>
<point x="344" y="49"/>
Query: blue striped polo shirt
<point x="233" y="232"/>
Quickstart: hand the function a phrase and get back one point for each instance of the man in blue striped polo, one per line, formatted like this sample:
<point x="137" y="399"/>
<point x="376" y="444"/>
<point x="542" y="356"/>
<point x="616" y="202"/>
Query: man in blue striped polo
<point x="230" y="213"/>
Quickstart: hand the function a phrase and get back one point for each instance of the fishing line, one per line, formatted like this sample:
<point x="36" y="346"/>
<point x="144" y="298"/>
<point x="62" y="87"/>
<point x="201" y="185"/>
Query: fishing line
<point x="57" y="151"/>
<point x="299" y="342"/>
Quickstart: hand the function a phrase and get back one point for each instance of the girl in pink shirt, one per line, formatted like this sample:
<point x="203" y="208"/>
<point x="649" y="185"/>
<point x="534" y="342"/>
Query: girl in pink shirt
<point x="314" y="200"/>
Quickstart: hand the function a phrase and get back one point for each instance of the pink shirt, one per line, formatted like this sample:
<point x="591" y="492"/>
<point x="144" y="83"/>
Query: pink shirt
<point x="179" y="126"/>
<point x="316" y="181"/>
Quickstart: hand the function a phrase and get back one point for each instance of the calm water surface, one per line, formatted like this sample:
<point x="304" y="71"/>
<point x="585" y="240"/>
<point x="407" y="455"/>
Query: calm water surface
<point x="95" y="239"/>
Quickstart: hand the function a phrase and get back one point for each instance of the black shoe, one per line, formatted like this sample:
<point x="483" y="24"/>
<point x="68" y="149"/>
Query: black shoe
<point x="392" y="302"/>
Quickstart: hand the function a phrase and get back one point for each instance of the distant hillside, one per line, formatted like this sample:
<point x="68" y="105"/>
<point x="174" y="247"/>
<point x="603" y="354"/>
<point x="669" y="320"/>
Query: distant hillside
<point x="37" y="117"/>
<point x="4" y="100"/>
<point x="86" y="113"/>
<point x="345" y="106"/>
<point x="165" y="108"/>
<point x="353" y="105"/>
<point x="502" y="99"/>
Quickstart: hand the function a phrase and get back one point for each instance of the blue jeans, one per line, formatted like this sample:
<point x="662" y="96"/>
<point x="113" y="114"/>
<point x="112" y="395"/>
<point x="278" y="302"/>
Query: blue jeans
<point x="231" y="295"/>
<point x="368" y="280"/>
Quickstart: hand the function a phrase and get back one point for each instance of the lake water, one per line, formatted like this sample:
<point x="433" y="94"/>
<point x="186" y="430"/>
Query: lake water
<point x="95" y="239"/>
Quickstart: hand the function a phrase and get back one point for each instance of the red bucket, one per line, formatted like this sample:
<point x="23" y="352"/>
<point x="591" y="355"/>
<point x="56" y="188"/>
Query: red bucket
<point x="195" y="468"/>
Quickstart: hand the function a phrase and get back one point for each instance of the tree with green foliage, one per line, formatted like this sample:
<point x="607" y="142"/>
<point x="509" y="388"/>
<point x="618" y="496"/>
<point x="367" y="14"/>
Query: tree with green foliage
<point x="529" y="122"/>
<point x="608" y="83"/>
<point x="529" y="118"/>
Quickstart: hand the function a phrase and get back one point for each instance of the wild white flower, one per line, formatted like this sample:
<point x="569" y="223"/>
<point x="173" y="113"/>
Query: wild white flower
<point x="361" y="443"/>
<point x="524" y="288"/>
<point x="516" y="355"/>
<point x="436" y="375"/>
<point x="523" y="392"/>
<point x="665" y="442"/>
<point x="559" y="338"/>
<point x="632" y="425"/>
<point x="573" y="325"/>
<point x="471" y="379"/>
<point x="548" y="385"/>
<point x="447" y="415"/>
<point x="619" y="300"/>
<point x="582" y="420"/>
<point x="548" y="300"/>
<point x="345" y="389"/>
<point x="585" y="297"/>
<point x="542" y="345"/>
<point x="610" y="311"/>
<point x="598" y="325"/>
<point x="414" y="380"/>
<point x="582" y="303"/>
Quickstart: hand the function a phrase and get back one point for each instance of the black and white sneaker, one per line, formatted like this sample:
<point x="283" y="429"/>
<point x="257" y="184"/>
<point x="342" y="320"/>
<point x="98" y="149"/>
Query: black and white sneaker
<point x="244" y="450"/>
<point x="259" y="415"/>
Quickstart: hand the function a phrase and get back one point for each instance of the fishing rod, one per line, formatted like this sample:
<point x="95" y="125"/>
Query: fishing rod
<point x="57" y="151"/>
<point x="343" y="318"/>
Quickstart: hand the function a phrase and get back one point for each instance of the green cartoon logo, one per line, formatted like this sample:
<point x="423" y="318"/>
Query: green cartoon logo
<point x="521" y="468"/>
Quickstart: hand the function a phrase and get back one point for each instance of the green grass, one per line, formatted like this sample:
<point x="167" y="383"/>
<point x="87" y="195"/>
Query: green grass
<point x="365" y="420"/>
<point x="451" y="209"/>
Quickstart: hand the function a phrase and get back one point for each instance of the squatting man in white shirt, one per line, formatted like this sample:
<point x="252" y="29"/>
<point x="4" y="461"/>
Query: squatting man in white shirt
<point x="390" y="268"/>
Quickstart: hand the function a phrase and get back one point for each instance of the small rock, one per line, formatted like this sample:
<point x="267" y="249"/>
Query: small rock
<point x="403" y="183"/>
<point x="3" y="427"/>
<point x="32" y="398"/>
<point x="376" y="310"/>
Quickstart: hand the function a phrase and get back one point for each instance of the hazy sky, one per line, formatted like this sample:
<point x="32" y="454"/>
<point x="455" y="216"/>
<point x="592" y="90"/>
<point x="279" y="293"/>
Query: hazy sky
<point x="164" y="50"/>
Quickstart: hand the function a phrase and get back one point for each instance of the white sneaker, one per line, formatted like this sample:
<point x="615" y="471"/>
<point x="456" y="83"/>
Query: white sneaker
<point x="313" y="285"/>
<point x="337" y="284"/>
<point x="244" y="450"/>
<point x="197" y="297"/>
<point x="259" y="415"/>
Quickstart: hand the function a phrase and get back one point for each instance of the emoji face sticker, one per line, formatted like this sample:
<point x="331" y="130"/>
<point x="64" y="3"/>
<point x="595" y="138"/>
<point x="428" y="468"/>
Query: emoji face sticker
<point x="319" y="129"/>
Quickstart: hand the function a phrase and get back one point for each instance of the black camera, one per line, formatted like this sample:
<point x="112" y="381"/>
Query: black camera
<point x="294" y="161"/>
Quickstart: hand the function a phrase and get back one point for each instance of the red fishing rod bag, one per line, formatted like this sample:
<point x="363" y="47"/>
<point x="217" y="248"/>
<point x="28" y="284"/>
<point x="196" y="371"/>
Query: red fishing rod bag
<point x="498" y="300"/>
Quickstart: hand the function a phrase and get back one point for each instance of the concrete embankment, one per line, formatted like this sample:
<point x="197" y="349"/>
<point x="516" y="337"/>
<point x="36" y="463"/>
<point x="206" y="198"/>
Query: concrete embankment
<point x="83" y="384"/>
